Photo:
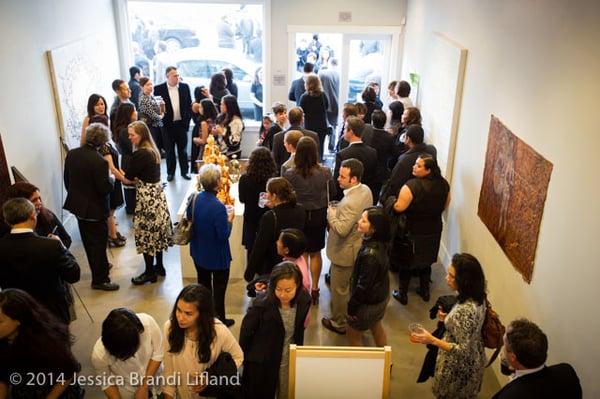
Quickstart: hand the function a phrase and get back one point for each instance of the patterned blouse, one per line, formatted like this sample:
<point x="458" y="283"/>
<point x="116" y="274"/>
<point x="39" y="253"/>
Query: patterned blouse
<point x="149" y="111"/>
<point x="459" y="372"/>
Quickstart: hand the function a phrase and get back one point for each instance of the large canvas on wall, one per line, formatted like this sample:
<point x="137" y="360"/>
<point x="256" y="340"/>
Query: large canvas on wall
<point x="513" y="193"/>
<point x="78" y="70"/>
<point x="441" y="85"/>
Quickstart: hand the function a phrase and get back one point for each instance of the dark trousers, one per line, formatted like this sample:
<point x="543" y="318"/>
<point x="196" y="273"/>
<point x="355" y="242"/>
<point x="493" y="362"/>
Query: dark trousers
<point x="216" y="282"/>
<point x="129" y="193"/>
<point x="157" y="137"/>
<point x="94" y="236"/>
<point x="176" y="135"/>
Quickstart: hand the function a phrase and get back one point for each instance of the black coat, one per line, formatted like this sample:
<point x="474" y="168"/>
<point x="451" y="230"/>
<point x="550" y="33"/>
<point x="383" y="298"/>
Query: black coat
<point x="261" y="338"/>
<point x="264" y="252"/>
<point x="402" y="171"/>
<point x="297" y="89"/>
<point x="370" y="278"/>
<point x="41" y="267"/>
<point x="249" y="191"/>
<point x="87" y="183"/>
<point x="368" y="157"/>
<point x="185" y="104"/>
<point x="280" y="154"/>
<point x="558" y="381"/>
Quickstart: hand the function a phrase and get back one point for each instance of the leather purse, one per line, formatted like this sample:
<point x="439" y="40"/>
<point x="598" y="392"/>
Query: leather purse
<point x="182" y="231"/>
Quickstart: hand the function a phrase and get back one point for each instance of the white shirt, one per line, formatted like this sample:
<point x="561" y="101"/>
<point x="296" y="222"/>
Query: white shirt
<point x="174" y="96"/>
<point x="521" y="373"/>
<point x="355" y="142"/>
<point x="151" y="347"/>
<point x="21" y="230"/>
<point x="346" y="191"/>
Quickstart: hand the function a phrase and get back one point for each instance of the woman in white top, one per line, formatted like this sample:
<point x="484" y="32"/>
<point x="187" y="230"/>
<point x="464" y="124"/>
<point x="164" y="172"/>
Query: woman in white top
<point x="195" y="338"/>
<point x="129" y="350"/>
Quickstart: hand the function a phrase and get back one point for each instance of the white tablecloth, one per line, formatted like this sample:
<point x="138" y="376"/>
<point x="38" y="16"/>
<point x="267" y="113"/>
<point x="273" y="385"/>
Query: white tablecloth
<point x="238" y="252"/>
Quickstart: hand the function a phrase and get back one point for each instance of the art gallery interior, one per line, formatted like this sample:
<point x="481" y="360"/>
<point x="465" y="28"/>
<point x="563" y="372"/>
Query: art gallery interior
<point x="533" y="64"/>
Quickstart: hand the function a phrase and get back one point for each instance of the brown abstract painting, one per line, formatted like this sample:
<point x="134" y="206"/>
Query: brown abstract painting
<point x="513" y="193"/>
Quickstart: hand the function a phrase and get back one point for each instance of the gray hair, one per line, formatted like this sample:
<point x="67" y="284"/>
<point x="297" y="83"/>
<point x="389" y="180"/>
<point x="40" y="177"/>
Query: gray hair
<point x="17" y="210"/>
<point x="96" y="135"/>
<point x="209" y="177"/>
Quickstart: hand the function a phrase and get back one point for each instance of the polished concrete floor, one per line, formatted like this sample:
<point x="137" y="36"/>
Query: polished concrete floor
<point x="157" y="300"/>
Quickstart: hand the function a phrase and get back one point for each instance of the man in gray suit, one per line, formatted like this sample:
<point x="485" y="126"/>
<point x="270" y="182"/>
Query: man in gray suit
<point x="344" y="240"/>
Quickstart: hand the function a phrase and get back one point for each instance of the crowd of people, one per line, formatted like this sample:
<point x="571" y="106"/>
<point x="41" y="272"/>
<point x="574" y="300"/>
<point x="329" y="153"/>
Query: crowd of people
<point x="379" y="209"/>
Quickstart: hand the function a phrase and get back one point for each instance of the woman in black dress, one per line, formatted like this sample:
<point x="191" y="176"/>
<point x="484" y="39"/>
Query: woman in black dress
<point x="125" y="114"/>
<point x="205" y="122"/>
<point x="152" y="222"/>
<point x="218" y="87"/>
<point x="284" y="213"/>
<point x="312" y="183"/>
<point x="261" y="167"/>
<point x="423" y="200"/>
<point x="314" y="104"/>
<point x="369" y="291"/>
<point x="34" y="343"/>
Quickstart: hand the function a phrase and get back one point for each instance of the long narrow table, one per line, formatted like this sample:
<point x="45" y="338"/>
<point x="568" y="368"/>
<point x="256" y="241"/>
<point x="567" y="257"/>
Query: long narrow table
<point x="238" y="252"/>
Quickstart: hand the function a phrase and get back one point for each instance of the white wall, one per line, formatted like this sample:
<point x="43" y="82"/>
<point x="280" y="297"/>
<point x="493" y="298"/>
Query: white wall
<point x="28" y="122"/>
<point x="319" y="13"/>
<point x="535" y="65"/>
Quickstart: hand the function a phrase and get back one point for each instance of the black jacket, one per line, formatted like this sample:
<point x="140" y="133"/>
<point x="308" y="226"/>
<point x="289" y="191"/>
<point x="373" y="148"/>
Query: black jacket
<point x="558" y="381"/>
<point x="87" y="183"/>
<point x="185" y="104"/>
<point x="280" y="154"/>
<point x="370" y="279"/>
<point x="402" y="171"/>
<point x="297" y="89"/>
<point x="365" y="154"/>
<point x="261" y="338"/>
<point x="41" y="267"/>
<point x="264" y="252"/>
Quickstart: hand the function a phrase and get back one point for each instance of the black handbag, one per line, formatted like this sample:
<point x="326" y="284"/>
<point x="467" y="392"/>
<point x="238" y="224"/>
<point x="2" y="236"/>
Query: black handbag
<point x="226" y="388"/>
<point x="182" y="231"/>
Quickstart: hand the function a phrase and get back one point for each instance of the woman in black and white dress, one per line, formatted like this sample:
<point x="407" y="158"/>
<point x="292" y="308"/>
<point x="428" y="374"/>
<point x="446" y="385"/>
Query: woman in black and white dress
<point x="152" y="222"/>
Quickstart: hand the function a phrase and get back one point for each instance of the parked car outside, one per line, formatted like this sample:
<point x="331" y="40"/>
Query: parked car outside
<point x="197" y="65"/>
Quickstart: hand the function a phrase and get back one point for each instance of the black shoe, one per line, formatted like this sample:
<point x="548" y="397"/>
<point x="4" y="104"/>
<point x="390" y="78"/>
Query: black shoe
<point x="160" y="270"/>
<point x="328" y="325"/>
<point x="170" y="177"/>
<point x="163" y="154"/>
<point x="424" y="293"/>
<point x="144" y="278"/>
<point x="400" y="296"/>
<point x="328" y="279"/>
<point x="115" y="243"/>
<point x="228" y="322"/>
<point x="186" y="176"/>
<point x="105" y="286"/>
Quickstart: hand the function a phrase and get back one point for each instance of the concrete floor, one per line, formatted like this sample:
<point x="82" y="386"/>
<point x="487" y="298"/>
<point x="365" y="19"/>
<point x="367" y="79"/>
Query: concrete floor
<point x="157" y="300"/>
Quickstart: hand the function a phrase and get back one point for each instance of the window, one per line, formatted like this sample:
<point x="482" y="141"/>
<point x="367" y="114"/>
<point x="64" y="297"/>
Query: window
<point x="200" y="39"/>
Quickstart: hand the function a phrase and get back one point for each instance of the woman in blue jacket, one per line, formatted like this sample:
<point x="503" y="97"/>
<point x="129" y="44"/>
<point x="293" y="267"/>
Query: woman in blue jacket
<point x="209" y="246"/>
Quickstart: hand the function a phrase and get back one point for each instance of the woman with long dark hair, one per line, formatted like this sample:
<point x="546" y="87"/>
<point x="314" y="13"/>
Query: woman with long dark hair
<point x="125" y="115"/>
<point x="150" y="111"/>
<point x="195" y="338"/>
<point x="230" y="127"/>
<point x="314" y="104"/>
<point x="369" y="97"/>
<point x="284" y="213"/>
<point x="33" y="341"/>
<point x="261" y="167"/>
<point x="369" y="291"/>
<point x="218" y="87"/>
<point x="152" y="221"/>
<point x="273" y="322"/>
<point x="312" y="183"/>
<point x="461" y="361"/>
<point x="206" y="122"/>
<point x="96" y="106"/>
<point x="422" y="199"/>
<point x="48" y="223"/>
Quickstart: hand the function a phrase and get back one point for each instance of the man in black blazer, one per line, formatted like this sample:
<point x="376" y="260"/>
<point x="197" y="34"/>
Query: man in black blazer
<point x="298" y="88"/>
<point x="88" y="187"/>
<point x="40" y="266"/>
<point x="525" y="351"/>
<point x="383" y="143"/>
<point x="402" y="171"/>
<point x="176" y="122"/>
<point x="296" y="119"/>
<point x="353" y="129"/>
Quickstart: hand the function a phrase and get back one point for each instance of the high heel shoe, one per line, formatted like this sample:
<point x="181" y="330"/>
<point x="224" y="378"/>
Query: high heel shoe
<point x="144" y="278"/>
<point x="314" y="294"/>
<point x="121" y="237"/>
<point x="115" y="243"/>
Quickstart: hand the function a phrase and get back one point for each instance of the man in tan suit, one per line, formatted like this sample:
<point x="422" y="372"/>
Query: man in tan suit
<point x="344" y="240"/>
